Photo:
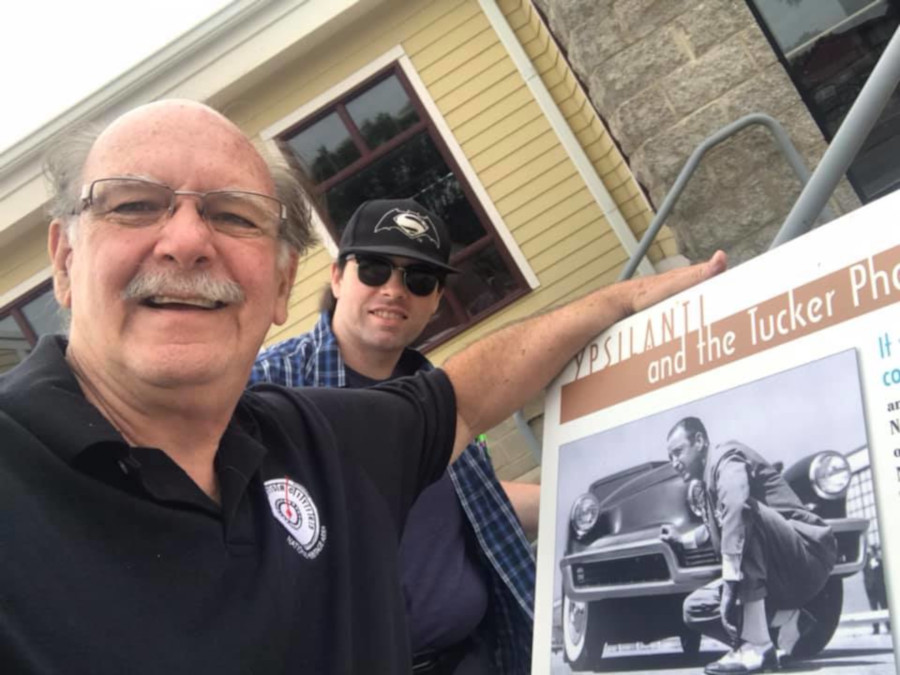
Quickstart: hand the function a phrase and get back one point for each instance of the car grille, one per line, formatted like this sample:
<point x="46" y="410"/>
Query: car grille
<point x="698" y="557"/>
<point x="637" y="570"/>
<point x="848" y="546"/>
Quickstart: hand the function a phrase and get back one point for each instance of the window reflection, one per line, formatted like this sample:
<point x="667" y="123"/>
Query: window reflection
<point x="324" y="148"/>
<point x="13" y="345"/>
<point x="382" y="112"/>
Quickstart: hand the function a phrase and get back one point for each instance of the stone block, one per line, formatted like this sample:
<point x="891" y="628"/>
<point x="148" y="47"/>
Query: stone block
<point x="564" y="16"/>
<point x="624" y="75"/>
<point x="657" y="162"/>
<point x="711" y="22"/>
<point x="592" y="42"/>
<point x="770" y="92"/>
<point x="641" y="117"/>
<point x="699" y="82"/>
<point x="758" y="46"/>
<point x="640" y="18"/>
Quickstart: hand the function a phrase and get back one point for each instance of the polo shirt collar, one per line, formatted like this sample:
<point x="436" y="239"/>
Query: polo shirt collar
<point x="44" y="385"/>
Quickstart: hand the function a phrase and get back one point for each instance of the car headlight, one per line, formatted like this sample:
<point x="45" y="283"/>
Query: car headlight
<point x="829" y="474"/>
<point x="585" y="512"/>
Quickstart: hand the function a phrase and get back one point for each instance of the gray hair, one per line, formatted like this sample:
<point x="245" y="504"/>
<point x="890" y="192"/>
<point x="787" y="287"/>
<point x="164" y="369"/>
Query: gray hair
<point x="64" y="166"/>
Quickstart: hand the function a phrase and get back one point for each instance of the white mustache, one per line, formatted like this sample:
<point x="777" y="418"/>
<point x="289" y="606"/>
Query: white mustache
<point x="147" y="284"/>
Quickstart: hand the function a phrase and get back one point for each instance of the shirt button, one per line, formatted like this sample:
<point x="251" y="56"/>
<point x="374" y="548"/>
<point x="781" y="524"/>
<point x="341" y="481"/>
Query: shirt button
<point x="123" y="466"/>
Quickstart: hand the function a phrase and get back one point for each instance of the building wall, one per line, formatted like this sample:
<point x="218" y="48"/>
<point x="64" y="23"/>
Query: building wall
<point x="21" y="260"/>
<point x="666" y="75"/>
<point x="506" y="139"/>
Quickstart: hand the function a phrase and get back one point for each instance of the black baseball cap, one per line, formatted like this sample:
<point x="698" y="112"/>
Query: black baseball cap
<point x="400" y="227"/>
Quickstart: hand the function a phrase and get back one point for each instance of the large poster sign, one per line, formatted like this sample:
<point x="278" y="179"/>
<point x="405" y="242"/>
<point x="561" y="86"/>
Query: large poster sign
<point x="743" y="435"/>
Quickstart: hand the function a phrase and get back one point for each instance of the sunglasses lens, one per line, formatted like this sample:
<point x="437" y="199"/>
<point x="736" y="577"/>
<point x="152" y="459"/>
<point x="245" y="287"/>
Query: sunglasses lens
<point x="373" y="272"/>
<point x="420" y="282"/>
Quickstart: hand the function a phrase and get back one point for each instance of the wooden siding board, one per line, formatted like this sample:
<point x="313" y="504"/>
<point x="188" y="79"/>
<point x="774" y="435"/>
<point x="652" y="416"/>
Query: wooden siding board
<point x="574" y="209"/>
<point x="570" y="190"/>
<point x="484" y="120"/>
<point x="467" y="83"/>
<point x="519" y="147"/>
<point x="517" y="178"/>
<point x="506" y="126"/>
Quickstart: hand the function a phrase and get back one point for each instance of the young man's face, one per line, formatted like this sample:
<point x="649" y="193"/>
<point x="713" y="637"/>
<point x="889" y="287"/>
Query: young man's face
<point x="384" y="318"/>
<point x="687" y="455"/>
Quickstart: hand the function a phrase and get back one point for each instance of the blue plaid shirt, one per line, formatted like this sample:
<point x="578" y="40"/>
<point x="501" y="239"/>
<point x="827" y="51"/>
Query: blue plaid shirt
<point x="314" y="360"/>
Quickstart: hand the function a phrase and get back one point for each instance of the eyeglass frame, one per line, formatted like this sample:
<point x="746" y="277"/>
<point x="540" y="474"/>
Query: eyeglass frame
<point x="87" y="198"/>
<point x="439" y="275"/>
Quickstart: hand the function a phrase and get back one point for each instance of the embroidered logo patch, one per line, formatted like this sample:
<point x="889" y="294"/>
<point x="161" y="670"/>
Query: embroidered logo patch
<point x="413" y="225"/>
<point x="296" y="511"/>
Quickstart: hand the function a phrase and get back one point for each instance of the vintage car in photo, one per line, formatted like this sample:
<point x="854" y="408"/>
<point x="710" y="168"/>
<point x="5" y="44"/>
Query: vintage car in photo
<point x="621" y="583"/>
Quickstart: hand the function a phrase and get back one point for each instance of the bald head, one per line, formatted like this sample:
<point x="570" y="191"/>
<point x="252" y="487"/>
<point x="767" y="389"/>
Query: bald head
<point x="167" y="135"/>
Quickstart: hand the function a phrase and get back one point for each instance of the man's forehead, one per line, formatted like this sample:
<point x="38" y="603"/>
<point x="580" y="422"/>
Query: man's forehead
<point x="159" y="137"/>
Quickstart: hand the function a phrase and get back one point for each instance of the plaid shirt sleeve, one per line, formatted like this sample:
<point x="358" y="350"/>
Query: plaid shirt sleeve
<point x="509" y="555"/>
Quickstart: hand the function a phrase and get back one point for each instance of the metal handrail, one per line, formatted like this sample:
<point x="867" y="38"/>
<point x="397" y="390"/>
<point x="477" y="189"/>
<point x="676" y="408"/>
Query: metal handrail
<point x="687" y="171"/>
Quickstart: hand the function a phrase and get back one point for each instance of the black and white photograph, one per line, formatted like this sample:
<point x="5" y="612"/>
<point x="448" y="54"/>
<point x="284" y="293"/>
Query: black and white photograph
<point x="734" y="533"/>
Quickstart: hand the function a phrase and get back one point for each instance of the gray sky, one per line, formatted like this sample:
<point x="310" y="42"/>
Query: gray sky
<point x="55" y="53"/>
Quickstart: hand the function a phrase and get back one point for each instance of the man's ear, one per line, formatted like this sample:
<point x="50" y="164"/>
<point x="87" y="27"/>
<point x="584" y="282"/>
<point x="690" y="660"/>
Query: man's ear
<point x="60" y="250"/>
<point x="337" y="275"/>
<point x="285" y="285"/>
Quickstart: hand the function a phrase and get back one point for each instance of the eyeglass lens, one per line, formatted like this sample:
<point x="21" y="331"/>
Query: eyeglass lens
<point x="376" y="272"/>
<point x="140" y="203"/>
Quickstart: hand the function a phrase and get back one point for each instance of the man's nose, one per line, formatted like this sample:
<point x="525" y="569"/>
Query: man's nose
<point x="185" y="237"/>
<point x="394" y="286"/>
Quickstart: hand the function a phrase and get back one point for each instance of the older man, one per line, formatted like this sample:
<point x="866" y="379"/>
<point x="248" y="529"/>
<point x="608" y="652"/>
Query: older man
<point x="776" y="554"/>
<point x="158" y="519"/>
<point x="467" y="569"/>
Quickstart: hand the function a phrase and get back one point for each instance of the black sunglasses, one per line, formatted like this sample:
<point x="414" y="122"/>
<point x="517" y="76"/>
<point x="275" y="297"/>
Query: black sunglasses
<point x="375" y="271"/>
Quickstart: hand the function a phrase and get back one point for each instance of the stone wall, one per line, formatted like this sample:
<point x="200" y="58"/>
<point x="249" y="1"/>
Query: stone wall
<point x="665" y="74"/>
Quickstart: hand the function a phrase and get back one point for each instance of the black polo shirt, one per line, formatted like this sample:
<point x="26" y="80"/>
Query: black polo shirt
<point x="113" y="561"/>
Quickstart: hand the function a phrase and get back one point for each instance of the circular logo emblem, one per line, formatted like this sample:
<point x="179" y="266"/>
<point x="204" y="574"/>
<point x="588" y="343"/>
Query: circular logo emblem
<point x="296" y="511"/>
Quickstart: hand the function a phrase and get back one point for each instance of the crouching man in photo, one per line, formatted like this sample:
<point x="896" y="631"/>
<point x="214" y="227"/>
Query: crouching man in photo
<point x="776" y="554"/>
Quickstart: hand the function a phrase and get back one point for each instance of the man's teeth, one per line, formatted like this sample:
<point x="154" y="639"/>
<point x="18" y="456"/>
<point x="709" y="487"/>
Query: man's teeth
<point x="387" y="315"/>
<point x="196" y="302"/>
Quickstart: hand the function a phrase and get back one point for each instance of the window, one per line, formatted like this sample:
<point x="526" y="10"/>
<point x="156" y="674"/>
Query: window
<point x="377" y="142"/>
<point x="830" y="47"/>
<point x="24" y="321"/>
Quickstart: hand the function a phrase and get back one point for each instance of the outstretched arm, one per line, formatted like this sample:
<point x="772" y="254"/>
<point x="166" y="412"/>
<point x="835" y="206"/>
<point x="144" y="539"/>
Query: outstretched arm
<point x="500" y="373"/>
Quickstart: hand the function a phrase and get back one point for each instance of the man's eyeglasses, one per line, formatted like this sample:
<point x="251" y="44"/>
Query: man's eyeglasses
<point x="135" y="202"/>
<point x="375" y="271"/>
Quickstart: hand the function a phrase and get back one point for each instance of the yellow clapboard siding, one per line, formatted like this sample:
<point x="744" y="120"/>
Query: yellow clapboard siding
<point x="553" y="175"/>
<point x="484" y="72"/>
<point x="517" y="148"/>
<point x="562" y="248"/>
<point x="579" y="202"/>
<point x="450" y="49"/>
<point x="23" y="258"/>
<point x="436" y="19"/>
<point x="513" y="176"/>
<point x="570" y="217"/>
<point x="508" y="124"/>
<point x="484" y="120"/>
<point x="570" y="194"/>
<point x="457" y="112"/>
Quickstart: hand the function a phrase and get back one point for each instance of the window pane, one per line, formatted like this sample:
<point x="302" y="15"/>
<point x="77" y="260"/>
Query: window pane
<point x="382" y="112"/>
<point x="414" y="170"/>
<point x="43" y="314"/>
<point x="483" y="281"/>
<point x="441" y="323"/>
<point x="796" y="22"/>
<point x="324" y="148"/>
<point x="831" y="47"/>
<point x="13" y="345"/>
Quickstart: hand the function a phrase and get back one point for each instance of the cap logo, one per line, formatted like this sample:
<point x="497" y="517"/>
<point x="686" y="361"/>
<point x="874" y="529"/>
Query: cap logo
<point x="414" y="225"/>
